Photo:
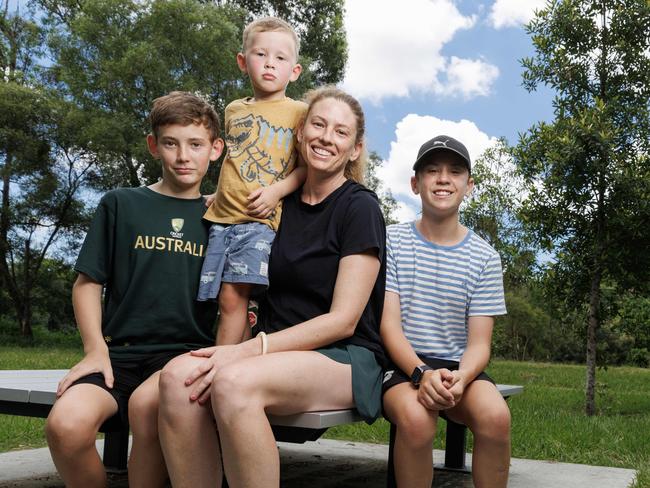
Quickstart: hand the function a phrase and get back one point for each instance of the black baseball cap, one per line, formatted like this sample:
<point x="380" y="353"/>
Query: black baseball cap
<point x="438" y="144"/>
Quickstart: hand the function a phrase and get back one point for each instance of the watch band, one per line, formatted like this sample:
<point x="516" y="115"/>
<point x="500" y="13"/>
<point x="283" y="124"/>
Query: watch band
<point x="418" y="372"/>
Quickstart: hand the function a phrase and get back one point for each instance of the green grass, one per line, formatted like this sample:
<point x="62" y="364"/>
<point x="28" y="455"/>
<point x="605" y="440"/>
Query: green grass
<point x="548" y="419"/>
<point x="26" y="432"/>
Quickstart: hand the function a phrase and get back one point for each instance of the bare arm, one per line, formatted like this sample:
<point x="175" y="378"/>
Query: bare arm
<point x="87" y="303"/>
<point x="356" y="277"/>
<point x="397" y="345"/>
<point x="433" y="392"/>
<point x="477" y="353"/>
<point x="479" y="342"/>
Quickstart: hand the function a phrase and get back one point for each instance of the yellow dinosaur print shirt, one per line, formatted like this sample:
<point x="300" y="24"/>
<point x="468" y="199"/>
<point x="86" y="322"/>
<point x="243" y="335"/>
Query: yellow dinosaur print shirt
<point x="260" y="137"/>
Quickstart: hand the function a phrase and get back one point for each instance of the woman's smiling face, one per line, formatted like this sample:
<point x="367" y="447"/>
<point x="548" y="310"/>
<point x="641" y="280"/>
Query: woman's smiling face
<point x="328" y="136"/>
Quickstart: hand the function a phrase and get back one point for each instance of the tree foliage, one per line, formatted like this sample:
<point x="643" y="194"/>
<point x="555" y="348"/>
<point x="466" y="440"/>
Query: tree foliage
<point x="587" y="172"/>
<point x="492" y="211"/>
<point x="41" y="168"/>
<point x="77" y="79"/>
<point x="114" y="57"/>
<point x="386" y="200"/>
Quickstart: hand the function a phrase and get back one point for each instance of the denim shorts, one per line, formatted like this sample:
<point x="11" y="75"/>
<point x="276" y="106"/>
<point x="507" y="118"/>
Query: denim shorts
<point x="237" y="253"/>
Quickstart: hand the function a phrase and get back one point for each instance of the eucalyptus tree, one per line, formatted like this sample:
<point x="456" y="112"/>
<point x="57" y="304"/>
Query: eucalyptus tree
<point x="113" y="57"/>
<point x="386" y="199"/>
<point x="587" y="171"/>
<point x="41" y="169"/>
<point x="493" y="211"/>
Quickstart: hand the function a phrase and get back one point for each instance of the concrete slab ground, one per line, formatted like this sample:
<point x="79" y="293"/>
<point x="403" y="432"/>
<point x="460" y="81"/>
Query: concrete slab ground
<point x="339" y="464"/>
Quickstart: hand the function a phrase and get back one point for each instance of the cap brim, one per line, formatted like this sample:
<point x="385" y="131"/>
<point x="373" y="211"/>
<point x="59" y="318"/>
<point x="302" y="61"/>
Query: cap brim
<point x="423" y="157"/>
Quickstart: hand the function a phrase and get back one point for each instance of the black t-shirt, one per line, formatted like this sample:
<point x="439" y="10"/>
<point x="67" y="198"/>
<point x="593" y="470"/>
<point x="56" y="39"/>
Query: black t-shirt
<point x="147" y="249"/>
<point x="305" y="257"/>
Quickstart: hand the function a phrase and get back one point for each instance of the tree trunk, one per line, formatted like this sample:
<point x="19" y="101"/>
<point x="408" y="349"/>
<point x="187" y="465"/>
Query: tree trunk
<point x="592" y="327"/>
<point x="25" y="320"/>
<point x="25" y="311"/>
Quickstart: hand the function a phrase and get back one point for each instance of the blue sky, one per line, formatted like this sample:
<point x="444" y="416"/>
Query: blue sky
<point x="425" y="67"/>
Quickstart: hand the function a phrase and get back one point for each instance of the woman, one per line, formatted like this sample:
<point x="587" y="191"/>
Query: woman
<point x="320" y="349"/>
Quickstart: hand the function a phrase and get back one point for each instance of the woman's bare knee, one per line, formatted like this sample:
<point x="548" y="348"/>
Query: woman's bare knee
<point x="233" y="390"/>
<point x="173" y="376"/>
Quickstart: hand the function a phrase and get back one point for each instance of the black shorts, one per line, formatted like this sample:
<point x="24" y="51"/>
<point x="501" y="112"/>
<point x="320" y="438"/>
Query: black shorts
<point x="128" y="374"/>
<point x="394" y="376"/>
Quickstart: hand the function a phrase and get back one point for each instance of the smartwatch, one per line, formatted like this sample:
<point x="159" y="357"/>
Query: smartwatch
<point x="416" y="376"/>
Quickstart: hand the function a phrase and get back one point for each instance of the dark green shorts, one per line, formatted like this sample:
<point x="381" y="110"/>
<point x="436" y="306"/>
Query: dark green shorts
<point x="366" y="377"/>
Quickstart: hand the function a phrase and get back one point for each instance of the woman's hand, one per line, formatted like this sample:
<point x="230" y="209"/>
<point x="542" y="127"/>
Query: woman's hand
<point x="216" y="357"/>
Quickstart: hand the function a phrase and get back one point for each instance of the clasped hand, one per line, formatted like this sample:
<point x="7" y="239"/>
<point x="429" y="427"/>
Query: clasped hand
<point x="440" y="389"/>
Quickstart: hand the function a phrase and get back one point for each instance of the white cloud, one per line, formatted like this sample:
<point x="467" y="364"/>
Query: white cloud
<point x="395" y="50"/>
<point x="469" y="77"/>
<point x="410" y="133"/>
<point x="511" y="13"/>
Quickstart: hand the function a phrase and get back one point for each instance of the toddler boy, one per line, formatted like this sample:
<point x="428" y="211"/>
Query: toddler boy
<point x="259" y="170"/>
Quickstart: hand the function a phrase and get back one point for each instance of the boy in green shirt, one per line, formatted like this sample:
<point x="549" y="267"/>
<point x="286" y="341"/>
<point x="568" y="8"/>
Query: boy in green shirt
<point x="143" y="254"/>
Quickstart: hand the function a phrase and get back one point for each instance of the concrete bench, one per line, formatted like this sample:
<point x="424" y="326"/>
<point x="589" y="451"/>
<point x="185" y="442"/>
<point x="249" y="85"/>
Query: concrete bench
<point x="32" y="393"/>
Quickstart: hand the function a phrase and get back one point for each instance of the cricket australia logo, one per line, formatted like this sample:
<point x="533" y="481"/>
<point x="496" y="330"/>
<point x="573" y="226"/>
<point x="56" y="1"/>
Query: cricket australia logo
<point x="177" y="225"/>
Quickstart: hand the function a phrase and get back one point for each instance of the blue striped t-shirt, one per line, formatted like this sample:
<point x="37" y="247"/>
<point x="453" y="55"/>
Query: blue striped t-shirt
<point x="440" y="287"/>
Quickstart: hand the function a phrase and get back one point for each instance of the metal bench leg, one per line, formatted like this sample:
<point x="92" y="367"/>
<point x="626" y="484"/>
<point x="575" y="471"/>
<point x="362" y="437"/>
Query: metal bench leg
<point x="390" y="472"/>
<point x="456" y="440"/>
<point x="116" y="450"/>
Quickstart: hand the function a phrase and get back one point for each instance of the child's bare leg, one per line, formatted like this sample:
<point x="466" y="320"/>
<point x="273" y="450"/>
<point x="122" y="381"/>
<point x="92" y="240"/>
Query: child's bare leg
<point x="416" y="428"/>
<point x="71" y="431"/>
<point x="484" y="411"/>
<point x="187" y="430"/>
<point x="146" y="462"/>
<point x="233" y="312"/>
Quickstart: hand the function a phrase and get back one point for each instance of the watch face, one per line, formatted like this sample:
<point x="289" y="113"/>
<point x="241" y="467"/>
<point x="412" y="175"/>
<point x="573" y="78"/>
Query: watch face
<point x="416" y="377"/>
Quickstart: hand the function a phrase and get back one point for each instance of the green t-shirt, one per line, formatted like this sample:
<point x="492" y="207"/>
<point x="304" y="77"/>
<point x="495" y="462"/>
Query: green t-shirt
<point x="147" y="250"/>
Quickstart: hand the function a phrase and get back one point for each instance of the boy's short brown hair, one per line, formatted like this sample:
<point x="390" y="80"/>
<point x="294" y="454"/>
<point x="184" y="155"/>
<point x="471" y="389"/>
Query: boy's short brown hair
<point x="269" y="24"/>
<point x="184" y="108"/>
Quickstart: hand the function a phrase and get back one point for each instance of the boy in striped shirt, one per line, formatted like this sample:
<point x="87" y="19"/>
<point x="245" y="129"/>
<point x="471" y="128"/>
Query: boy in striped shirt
<point x="444" y="286"/>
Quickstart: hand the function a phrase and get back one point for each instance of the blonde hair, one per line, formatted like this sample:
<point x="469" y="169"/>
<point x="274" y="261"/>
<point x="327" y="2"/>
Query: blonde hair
<point x="354" y="169"/>
<point x="184" y="108"/>
<point x="269" y="24"/>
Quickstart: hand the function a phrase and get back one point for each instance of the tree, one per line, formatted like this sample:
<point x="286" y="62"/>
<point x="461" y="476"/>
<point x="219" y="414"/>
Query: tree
<point x="587" y="173"/>
<point x="42" y="173"/>
<point x="386" y="200"/>
<point x="75" y="92"/>
<point x="319" y="23"/>
<point x="113" y="58"/>
<point x="492" y="211"/>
